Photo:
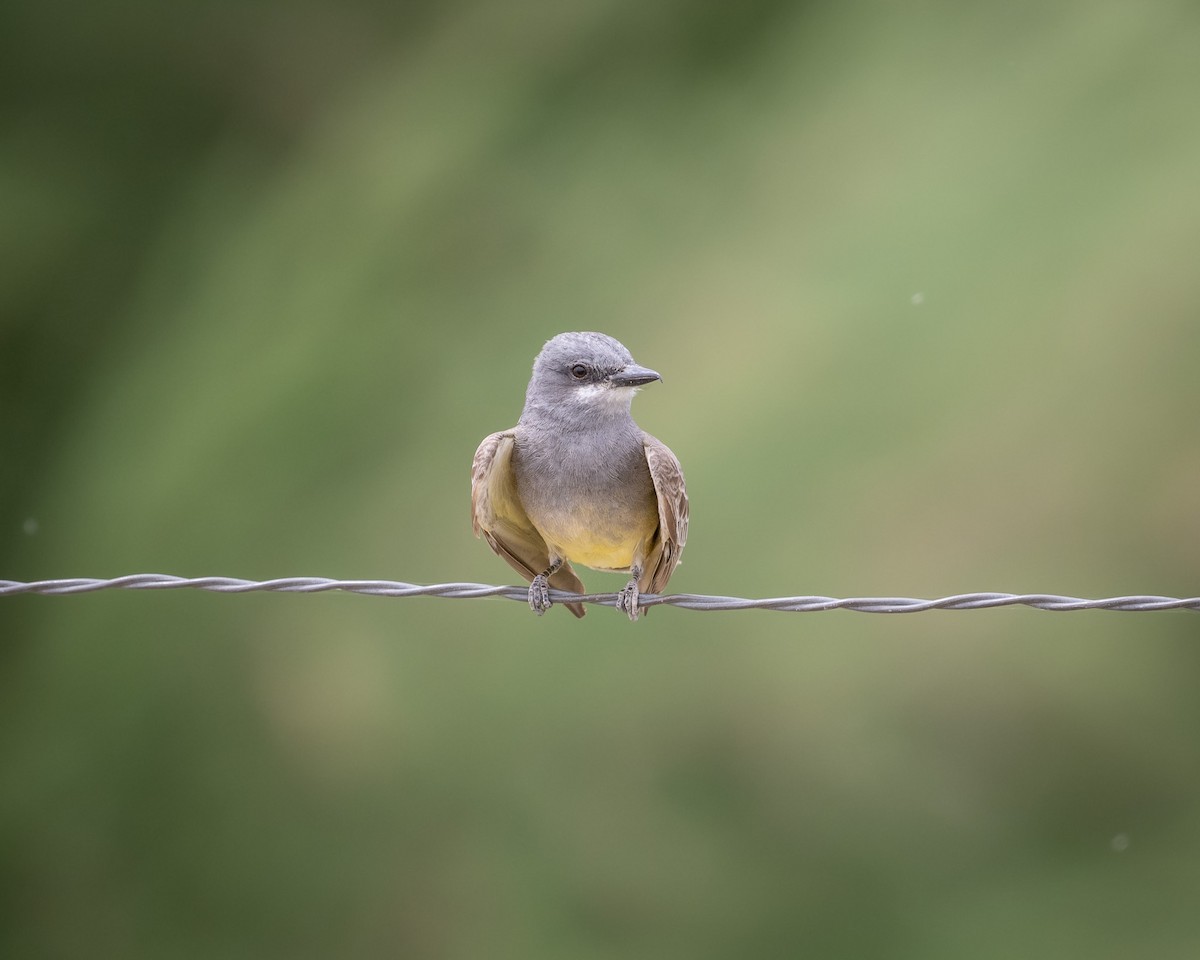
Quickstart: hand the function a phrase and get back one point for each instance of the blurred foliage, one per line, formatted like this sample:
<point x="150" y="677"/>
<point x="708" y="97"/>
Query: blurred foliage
<point x="922" y="282"/>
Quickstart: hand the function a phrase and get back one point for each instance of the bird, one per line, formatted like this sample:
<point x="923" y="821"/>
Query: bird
<point x="578" y="481"/>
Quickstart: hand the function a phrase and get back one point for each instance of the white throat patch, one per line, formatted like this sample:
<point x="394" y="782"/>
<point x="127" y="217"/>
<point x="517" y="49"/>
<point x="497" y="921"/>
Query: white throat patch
<point x="603" y="395"/>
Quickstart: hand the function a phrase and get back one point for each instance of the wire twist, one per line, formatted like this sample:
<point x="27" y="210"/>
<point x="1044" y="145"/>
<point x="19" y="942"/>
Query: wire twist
<point x="688" y="601"/>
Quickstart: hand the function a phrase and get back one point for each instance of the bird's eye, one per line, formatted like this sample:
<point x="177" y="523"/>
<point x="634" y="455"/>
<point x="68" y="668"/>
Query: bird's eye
<point x="579" y="371"/>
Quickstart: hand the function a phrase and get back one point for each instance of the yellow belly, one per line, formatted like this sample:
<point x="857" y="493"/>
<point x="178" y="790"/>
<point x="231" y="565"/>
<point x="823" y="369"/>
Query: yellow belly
<point x="599" y="543"/>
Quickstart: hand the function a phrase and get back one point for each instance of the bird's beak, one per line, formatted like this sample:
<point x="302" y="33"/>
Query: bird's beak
<point x="633" y="376"/>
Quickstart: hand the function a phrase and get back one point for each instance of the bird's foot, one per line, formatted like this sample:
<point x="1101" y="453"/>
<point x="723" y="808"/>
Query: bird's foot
<point x="627" y="599"/>
<point x="539" y="594"/>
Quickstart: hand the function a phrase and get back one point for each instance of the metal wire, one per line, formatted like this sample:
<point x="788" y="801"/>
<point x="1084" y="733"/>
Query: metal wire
<point x="689" y="601"/>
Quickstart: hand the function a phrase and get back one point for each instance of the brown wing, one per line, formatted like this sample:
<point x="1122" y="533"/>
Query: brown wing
<point x="498" y="516"/>
<point x="673" y="508"/>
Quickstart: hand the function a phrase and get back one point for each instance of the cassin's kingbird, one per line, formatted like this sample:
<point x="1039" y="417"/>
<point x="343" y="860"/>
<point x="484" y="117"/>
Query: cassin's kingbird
<point x="576" y="480"/>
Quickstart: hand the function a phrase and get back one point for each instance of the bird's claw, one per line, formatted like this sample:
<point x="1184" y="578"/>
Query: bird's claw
<point x="627" y="599"/>
<point x="539" y="594"/>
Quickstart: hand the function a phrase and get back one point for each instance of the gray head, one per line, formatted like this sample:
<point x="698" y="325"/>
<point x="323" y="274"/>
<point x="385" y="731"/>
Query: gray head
<point x="587" y="373"/>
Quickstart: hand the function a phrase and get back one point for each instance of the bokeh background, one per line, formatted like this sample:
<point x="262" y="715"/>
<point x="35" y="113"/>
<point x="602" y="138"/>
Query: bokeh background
<point x="923" y="283"/>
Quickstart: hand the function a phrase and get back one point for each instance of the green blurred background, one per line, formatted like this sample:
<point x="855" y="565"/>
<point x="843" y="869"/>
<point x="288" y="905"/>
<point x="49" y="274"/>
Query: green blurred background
<point x="923" y="283"/>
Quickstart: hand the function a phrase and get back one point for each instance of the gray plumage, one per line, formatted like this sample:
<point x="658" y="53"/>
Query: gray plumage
<point x="577" y="480"/>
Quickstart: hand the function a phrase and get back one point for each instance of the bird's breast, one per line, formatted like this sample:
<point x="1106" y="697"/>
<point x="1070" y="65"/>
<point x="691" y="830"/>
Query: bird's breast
<point x="592" y="507"/>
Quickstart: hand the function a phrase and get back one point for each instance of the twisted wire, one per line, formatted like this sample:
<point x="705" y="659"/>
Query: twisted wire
<point x="688" y="601"/>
